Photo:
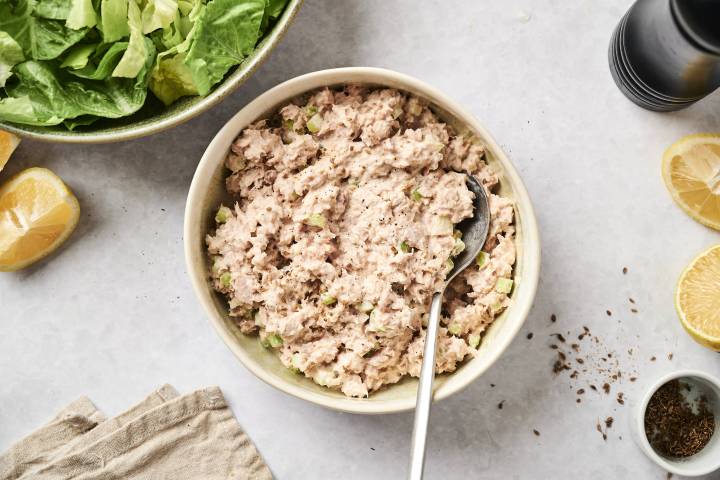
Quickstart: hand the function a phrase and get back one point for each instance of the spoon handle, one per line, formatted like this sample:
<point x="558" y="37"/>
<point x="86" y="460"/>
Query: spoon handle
<point x="425" y="391"/>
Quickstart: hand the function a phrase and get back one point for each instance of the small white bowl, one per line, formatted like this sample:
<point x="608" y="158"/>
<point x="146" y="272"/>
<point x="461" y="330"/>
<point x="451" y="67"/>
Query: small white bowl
<point x="708" y="459"/>
<point x="208" y="191"/>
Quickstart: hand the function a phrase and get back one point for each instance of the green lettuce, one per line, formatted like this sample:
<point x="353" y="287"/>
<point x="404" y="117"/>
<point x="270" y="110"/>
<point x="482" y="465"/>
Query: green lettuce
<point x="10" y="55"/>
<point x="135" y="54"/>
<point x="72" y="62"/>
<point x="227" y="32"/>
<point x="113" y="20"/>
<point x="81" y="15"/>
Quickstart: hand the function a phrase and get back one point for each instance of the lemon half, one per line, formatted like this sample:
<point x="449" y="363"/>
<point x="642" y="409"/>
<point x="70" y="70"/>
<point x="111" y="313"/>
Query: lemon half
<point x="37" y="214"/>
<point x="8" y="144"/>
<point x="691" y="170"/>
<point x="698" y="298"/>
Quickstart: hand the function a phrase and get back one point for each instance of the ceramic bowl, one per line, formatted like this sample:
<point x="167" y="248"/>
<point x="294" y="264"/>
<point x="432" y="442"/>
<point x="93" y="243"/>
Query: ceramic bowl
<point x="708" y="459"/>
<point x="208" y="191"/>
<point x="154" y="117"/>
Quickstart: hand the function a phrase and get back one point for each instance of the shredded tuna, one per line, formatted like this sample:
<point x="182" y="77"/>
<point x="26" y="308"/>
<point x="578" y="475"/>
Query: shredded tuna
<point x="342" y="230"/>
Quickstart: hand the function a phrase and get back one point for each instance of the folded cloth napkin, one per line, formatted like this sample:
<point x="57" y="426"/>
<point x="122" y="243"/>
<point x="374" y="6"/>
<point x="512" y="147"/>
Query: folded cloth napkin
<point x="40" y="446"/>
<point x="194" y="436"/>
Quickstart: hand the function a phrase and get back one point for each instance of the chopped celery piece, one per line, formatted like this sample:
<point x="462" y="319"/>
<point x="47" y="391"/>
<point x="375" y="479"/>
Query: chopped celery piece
<point x="416" y="196"/>
<point x="504" y="285"/>
<point x="496" y="308"/>
<point x="373" y="349"/>
<point x="311" y="110"/>
<point x="397" y="111"/>
<point x="454" y="329"/>
<point x="457" y="234"/>
<point x="424" y="319"/>
<point x="225" y="279"/>
<point x="458" y="247"/>
<point x="441" y="225"/>
<point x="373" y="325"/>
<point x="365" y="307"/>
<point x="449" y="264"/>
<point x="216" y="265"/>
<point x="315" y="123"/>
<point x="265" y="343"/>
<point x="439" y="147"/>
<point x="289" y="125"/>
<point x="327" y="299"/>
<point x="481" y="259"/>
<point x="404" y="247"/>
<point x="223" y="214"/>
<point x="354" y="182"/>
<point x="275" y="340"/>
<point x="315" y="220"/>
<point x="295" y="362"/>
<point x="474" y="341"/>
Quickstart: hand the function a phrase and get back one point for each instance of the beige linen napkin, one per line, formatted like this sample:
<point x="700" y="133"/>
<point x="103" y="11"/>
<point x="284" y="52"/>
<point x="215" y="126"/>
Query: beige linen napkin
<point x="156" y="398"/>
<point x="194" y="436"/>
<point x="42" y="445"/>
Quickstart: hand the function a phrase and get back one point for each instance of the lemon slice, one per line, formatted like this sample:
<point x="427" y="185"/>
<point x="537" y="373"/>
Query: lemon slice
<point x="691" y="169"/>
<point x="698" y="298"/>
<point x="37" y="213"/>
<point x="8" y="144"/>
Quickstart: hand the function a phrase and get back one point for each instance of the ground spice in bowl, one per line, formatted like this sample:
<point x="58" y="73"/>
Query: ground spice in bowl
<point x="677" y="427"/>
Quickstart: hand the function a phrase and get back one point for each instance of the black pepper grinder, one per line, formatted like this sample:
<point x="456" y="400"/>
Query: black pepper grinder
<point x="665" y="54"/>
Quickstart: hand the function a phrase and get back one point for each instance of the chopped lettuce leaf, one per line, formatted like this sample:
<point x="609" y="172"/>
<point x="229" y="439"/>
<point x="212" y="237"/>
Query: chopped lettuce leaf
<point x="135" y="54"/>
<point x="172" y="79"/>
<point x="104" y="67"/>
<point x="81" y="15"/>
<point x="78" y="56"/>
<point x="113" y="20"/>
<point x="227" y="33"/>
<point x="53" y="9"/>
<point x="158" y="14"/>
<point x="10" y="55"/>
<point x="40" y="38"/>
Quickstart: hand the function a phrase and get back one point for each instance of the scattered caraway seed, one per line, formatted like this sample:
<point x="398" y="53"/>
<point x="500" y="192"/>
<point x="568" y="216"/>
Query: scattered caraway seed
<point x="537" y="434"/>
<point x="529" y="336"/>
<point x="373" y="449"/>
<point x="633" y="379"/>
<point x="593" y="388"/>
<point x="580" y="360"/>
<point x="634" y="310"/>
<point x="620" y="398"/>
<point x="500" y="405"/>
<point x="559" y="337"/>
<point x="625" y="270"/>
<point x="599" y="429"/>
<point x="575" y="347"/>
<point x="553" y="318"/>
<point x="609" y="313"/>
<point x="580" y="391"/>
<point x="670" y="356"/>
<point x="578" y="401"/>
<point x="608" y="422"/>
<point x="631" y="300"/>
<point x="554" y="347"/>
<point x="652" y="359"/>
<point x="606" y="388"/>
<point x="492" y="385"/>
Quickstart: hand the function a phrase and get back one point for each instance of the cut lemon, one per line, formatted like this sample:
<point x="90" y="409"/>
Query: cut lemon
<point x="8" y="144"/>
<point x="691" y="169"/>
<point x="698" y="298"/>
<point x="37" y="213"/>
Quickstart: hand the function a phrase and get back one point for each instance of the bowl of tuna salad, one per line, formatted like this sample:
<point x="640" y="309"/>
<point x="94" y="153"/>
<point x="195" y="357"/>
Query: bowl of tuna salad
<point x="323" y="217"/>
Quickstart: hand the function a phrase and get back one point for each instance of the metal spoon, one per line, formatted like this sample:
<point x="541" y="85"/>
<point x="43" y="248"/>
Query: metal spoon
<point x="475" y="231"/>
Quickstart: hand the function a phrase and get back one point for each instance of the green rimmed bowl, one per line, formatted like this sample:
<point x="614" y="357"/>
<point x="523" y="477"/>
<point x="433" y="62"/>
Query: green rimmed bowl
<point x="155" y="117"/>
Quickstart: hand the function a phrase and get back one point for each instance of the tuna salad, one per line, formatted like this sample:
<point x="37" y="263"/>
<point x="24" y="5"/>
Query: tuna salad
<point x="343" y="227"/>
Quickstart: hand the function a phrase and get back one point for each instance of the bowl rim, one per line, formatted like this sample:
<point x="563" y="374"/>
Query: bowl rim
<point x="686" y="467"/>
<point x="310" y="81"/>
<point x="231" y="83"/>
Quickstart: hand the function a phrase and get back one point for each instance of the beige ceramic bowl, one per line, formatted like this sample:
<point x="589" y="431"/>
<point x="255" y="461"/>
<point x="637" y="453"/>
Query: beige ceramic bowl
<point x="207" y="192"/>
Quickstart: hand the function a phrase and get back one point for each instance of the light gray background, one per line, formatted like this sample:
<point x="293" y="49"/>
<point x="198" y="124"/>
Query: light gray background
<point x="112" y="315"/>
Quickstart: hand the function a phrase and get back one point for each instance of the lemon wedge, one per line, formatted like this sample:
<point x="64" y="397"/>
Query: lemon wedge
<point x="37" y="214"/>
<point x="691" y="170"/>
<point x="8" y="144"/>
<point x="698" y="298"/>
